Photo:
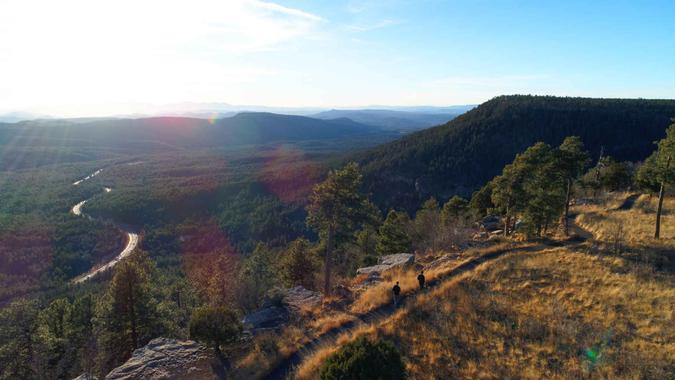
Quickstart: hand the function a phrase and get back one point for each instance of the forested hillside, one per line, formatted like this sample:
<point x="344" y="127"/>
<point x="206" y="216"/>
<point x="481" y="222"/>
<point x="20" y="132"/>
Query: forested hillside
<point x="461" y="155"/>
<point x="42" y="142"/>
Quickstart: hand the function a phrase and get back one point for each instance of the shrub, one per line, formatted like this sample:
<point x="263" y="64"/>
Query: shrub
<point x="215" y="326"/>
<point x="364" y="360"/>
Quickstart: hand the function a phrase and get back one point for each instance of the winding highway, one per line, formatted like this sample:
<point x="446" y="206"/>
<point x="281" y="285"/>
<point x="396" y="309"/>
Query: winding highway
<point x="132" y="238"/>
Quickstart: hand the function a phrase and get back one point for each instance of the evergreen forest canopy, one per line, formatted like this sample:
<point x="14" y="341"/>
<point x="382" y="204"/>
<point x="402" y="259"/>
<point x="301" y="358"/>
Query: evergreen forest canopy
<point x="460" y="156"/>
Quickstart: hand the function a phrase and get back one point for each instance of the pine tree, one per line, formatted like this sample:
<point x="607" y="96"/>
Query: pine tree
<point x="366" y="241"/>
<point x="337" y="209"/>
<point x="55" y="333"/>
<point x="453" y="209"/>
<point x="297" y="265"/>
<point x="660" y="169"/>
<point x="531" y="186"/>
<point x="17" y="335"/>
<point x="572" y="160"/>
<point x="127" y="312"/>
<point x="215" y="326"/>
<point x="258" y="275"/>
<point x="393" y="237"/>
<point x="481" y="200"/>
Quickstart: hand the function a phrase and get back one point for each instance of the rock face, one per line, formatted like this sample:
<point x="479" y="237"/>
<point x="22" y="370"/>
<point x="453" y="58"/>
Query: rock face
<point x="274" y="315"/>
<point x="86" y="376"/>
<point x="165" y="358"/>
<point x="388" y="262"/>
<point x="490" y="223"/>
<point x="299" y="298"/>
<point x="267" y="317"/>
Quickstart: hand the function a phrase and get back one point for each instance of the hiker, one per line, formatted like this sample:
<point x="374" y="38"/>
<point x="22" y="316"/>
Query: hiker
<point x="421" y="279"/>
<point x="397" y="291"/>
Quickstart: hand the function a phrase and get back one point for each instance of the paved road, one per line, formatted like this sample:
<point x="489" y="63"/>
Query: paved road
<point x="132" y="237"/>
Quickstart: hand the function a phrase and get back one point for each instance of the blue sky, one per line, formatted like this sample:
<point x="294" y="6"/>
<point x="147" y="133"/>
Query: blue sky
<point x="103" y="57"/>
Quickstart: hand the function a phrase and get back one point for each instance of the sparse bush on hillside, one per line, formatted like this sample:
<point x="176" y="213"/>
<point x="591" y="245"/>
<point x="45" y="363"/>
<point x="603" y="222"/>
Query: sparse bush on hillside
<point x="608" y="175"/>
<point x="215" y="326"/>
<point x="365" y="360"/>
<point x="617" y="237"/>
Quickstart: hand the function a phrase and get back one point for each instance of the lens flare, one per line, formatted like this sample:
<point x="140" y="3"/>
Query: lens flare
<point x="288" y="174"/>
<point x="209" y="261"/>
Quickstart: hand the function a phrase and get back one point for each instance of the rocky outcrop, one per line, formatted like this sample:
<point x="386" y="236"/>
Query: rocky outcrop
<point x="267" y="317"/>
<point x="275" y="314"/>
<point x="301" y="298"/>
<point x="165" y="358"/>
<point x="86" y="376"/>
<point x="490" y="223"/>
<point x="388" y="262"/>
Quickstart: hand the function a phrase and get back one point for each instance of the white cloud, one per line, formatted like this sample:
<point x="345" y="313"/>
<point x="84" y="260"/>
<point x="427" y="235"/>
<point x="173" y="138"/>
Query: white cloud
<point x="374" y="26"/>
<point x="73" y="51"/>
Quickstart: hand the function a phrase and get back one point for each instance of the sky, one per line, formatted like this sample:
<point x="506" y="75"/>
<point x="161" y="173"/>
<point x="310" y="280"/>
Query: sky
<point x="91" y="57"/>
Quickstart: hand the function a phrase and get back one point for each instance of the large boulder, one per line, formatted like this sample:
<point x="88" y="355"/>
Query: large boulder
<point x="301" y="298"/>
<point x="389" y="262"/>
<point x="267" y="318"/>
<point x="490" y="223"/>
<point x="165" y="358"/>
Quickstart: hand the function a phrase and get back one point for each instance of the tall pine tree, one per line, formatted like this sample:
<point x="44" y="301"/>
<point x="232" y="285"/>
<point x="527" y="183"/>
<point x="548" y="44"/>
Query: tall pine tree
<point x="337" y="209"/>
<point x="393" y="237"/>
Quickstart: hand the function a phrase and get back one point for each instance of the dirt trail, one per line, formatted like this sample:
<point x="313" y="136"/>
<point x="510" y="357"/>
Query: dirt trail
<point x="284" y="369"/>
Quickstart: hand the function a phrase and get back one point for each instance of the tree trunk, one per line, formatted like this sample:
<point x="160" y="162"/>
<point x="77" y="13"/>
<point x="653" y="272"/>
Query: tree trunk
<point x="566" y="223"/>
<point x="657" y="232"/>
<point x="327" y="261"/>
<point x="132" y="316"/>
<point x="507" y="221"/>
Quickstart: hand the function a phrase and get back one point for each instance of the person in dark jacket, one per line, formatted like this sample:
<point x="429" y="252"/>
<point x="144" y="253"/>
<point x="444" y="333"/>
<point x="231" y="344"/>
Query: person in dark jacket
<point x="421" y="279"/>
<point x="397" y="292"/>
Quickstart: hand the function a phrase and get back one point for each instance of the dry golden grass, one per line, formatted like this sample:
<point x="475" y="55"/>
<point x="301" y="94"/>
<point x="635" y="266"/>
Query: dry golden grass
<point x="380" y="294"/>
<point x="266" y="351"/>
<point x="553" y="314"/>
<point x="326" y="323"/>
<point x="311" y="366"/>
<point x="637" y="224"/>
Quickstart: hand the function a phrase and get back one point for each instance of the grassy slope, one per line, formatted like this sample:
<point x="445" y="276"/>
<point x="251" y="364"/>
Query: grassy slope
<point x="557" y="313"/>
<point x="635" y="224"/>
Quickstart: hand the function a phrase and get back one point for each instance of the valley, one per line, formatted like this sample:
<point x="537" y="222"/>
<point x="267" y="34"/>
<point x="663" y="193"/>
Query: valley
<point x="337" y="190"/>
<point x="226" y="217"/>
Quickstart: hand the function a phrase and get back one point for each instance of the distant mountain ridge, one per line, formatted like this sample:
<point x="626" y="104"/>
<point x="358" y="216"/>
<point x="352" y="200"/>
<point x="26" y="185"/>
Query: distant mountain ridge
<point x="157" y="134"/>
<point x="461" y="155"/>
<point x="396" y="120"/>
<point x="218" y="110"/>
